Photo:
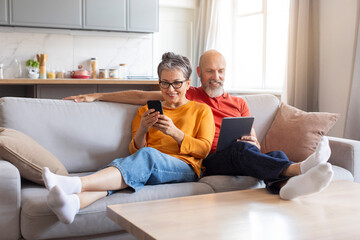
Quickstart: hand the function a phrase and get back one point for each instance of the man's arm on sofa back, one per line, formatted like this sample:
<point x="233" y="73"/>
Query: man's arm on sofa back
<point x="10" y="199"/>
<point x="136" y="97"/>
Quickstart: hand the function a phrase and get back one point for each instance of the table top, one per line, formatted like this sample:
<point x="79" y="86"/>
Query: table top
<point x="249" y="214"/>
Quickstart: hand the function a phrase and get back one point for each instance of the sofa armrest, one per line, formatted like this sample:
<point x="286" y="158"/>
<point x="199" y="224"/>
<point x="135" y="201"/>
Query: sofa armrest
<point x="10" y="200"/>
<point x="346" y="153"/>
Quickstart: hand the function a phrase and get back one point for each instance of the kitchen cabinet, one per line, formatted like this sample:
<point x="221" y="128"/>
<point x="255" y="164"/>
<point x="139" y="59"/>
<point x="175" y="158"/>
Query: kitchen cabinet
<point x="143" y="16"/>
<point x="61" y="91"/>
<point x="110" y="15"/>
<point x="115" y="88"/>
<point x="105" y="14"/>
<point x="4" y="16"/>
<point x="122" y="15"/>
<point x="47" y="13"/>
<point x="16" y="91"/>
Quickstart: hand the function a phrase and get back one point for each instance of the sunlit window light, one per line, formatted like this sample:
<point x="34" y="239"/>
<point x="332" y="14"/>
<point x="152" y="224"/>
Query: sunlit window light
<point x="260" y="46"/>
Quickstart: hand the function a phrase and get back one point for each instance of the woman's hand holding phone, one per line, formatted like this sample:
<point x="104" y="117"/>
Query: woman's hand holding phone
<point x="167" y="126"/>
<point x="148" y="119"/>
<point x="164" y="123"/>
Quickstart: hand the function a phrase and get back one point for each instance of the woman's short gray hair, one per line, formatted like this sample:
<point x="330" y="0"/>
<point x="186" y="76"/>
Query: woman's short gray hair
<point x="171" y="61"/>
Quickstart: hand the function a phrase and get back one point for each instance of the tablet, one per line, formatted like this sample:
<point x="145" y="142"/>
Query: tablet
<point x="233" y="128"/>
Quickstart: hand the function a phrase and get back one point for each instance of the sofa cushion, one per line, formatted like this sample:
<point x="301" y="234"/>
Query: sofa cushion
<point x="264" y="108"/>
<point x="296" y="132"/>
<point x="83" y="136"/>
<point x="27" y="155"/>
<point x="39" y="222"/>
<point x="221" y="183"/>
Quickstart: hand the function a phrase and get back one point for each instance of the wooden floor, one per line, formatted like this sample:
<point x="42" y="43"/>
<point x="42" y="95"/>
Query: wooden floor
<point x="250" y="214"/>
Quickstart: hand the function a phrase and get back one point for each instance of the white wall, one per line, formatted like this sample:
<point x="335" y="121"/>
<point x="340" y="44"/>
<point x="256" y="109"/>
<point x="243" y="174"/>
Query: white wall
<point x="338" y="29"/>
<point x="176" y="29"/>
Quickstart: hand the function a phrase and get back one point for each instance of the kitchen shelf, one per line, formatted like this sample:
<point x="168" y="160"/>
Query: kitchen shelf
<point x="29" y="81"/>
<point x="59" y="88"/>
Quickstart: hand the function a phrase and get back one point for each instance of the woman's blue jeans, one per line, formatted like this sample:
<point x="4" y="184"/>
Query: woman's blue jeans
<point x="149" y="166"/>
<point x="245" y="159"/>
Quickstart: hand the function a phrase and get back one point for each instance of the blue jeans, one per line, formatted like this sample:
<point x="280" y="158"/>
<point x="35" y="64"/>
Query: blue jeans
<point x="149" y="166"/>
<point x="245" y="159"/>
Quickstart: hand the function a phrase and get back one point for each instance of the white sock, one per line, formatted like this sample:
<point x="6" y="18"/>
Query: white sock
<point x="64" y="206"/>
<point x="313" y="181"/>
<point x="321" y="155"/>
<point x="69" y="185"/>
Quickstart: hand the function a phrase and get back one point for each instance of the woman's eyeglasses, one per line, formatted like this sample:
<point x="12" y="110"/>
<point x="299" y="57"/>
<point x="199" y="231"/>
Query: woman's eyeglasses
<point x="175" y="85"/>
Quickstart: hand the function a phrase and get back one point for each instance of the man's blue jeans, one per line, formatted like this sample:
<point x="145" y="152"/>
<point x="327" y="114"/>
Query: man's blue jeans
<point x="245" y="159"/>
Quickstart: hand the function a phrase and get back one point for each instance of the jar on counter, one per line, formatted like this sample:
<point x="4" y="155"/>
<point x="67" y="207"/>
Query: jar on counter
<point x="122" y="71"/>
<point x="103" y="73"/>
<point x="113" y="73"/>
<point x="60" y="74"/>
<point x="51" y="74"/>
<point x="93" y="66"/>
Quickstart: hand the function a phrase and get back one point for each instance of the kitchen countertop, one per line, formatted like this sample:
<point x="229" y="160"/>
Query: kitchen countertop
<point x="29" y="81"/>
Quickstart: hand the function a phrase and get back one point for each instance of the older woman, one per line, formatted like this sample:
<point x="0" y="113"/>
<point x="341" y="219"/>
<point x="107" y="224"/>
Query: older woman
<point x="165" y="148"/>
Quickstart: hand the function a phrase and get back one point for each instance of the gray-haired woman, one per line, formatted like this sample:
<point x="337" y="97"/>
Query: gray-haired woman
<point x="165" y="148"/>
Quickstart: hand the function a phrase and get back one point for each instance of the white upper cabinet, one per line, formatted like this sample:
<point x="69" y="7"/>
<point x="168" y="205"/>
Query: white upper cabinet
<point x="47" y="13"/>
<point x="105" y="14"/>
<point x="4" y="16"/>
<point x="143" y="15"/>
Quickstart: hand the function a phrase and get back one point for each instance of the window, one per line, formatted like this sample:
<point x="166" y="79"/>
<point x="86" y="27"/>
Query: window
<point x="260" y="45"/>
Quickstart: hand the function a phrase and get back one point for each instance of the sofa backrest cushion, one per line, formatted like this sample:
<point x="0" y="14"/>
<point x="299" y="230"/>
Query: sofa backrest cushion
<point x="83" y="136"/>
<point x="264" y="108"/>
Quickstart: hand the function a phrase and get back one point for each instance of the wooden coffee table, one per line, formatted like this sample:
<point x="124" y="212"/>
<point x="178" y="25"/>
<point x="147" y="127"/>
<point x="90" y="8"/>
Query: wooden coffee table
<point x="249" y="214"/>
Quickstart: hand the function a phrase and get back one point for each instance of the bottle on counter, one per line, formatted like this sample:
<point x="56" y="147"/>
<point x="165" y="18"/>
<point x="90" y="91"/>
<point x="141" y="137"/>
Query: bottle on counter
<point x="42" y="58"/>
<point x="122" y="71"/>
<point x="18" y="68"/>
<point x="1" y="71"/>
<point x="93" y="68"/>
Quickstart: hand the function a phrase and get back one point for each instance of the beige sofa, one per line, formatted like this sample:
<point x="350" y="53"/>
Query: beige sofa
<point x="87" y="136"/>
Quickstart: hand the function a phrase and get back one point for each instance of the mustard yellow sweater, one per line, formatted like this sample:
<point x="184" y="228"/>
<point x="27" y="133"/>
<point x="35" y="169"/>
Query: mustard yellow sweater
<point x="195" y="120"/>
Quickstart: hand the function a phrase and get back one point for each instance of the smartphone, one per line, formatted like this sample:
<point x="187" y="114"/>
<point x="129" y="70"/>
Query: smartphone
<point x="155" y="104"/>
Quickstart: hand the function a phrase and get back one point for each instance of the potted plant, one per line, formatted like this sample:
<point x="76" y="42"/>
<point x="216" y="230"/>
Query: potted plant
<point x="33" y="68"/>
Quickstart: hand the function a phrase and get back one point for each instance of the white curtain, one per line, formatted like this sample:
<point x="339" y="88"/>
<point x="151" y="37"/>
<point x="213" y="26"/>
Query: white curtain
<point x="213" y="31"/>
<point x="300" y="90"/>
<point x="352" y="126"/>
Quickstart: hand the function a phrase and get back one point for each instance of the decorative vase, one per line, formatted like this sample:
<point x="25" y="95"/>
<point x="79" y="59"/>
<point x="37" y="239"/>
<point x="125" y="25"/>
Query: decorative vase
<point x="33" y="73"/>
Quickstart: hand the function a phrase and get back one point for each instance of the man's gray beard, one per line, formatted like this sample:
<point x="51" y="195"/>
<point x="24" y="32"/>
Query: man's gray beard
<point x="213" y="91"/>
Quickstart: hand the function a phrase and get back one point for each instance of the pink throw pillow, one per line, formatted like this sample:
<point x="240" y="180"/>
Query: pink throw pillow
<point x="296" y="132"/>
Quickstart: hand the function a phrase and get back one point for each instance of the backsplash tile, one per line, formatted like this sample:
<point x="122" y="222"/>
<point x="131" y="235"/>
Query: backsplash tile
<point x="68" y="49"/>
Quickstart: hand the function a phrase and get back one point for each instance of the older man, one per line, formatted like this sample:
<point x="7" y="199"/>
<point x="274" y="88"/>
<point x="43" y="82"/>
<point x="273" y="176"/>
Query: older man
<point x="243" y="157"/>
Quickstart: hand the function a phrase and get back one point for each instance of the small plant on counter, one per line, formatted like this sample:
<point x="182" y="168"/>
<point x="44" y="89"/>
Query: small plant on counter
<point x="33" y="67"/>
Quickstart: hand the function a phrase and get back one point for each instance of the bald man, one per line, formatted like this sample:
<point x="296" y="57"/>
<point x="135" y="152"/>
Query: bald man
<point x="281" y="176"/>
